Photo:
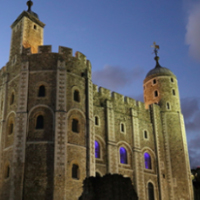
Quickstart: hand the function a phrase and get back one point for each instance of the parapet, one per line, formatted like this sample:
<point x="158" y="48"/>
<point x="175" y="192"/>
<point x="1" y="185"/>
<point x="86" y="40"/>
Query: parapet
<point x="67" y="52"/>
<point x="44" y="49"/>
<point x="81" y="57"/>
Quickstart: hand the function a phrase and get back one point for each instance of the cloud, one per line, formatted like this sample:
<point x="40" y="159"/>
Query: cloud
<point x="193" y="31"/>
<point x="191" y="112"/>
<point x="116" y="77"/>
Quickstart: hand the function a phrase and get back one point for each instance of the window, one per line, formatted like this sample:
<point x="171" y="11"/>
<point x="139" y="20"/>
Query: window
<point x="41" y="92"/>
<point x="12" y="98"/>
<point x="154" y="81"/>
<point x="96" y="121"/>
<point x="75" y="125"/>
<point x="156" y="93"/>
<point x="35" y="27"/>
<point x="97" y="150"/>
<point x="172" y="80"/>
<point x="168" y="106"/>
<point x="145" y="134"/>
<point x="40" y="122"/>
<point x="122" y="128"/>
<point x="147" y="161"/>
<point x="76" y="96"/>
<point x="150" y="191"/>
<point x="75" y="171"/>
<point x="7" y="171"/>
<point x="173" y="92"/>
<point x="11" y="128"/>
<point x="123" y="155"/>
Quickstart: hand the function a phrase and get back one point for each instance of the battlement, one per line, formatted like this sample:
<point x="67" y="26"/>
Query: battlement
<point x="117" y="98"/>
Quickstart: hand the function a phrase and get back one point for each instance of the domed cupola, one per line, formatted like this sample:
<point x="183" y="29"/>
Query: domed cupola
<point x="160" y="87"/>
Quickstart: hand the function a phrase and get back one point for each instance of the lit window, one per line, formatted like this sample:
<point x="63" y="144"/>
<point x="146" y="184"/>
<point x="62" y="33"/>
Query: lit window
<point x="97" y="150"/>
<point x="41" y="92"/>
<point x="156" y="93"/>
<point x="40" y="122"/>
<point x="75" y="126"/>
<point x="96" y="120"/>
<point x="147" y="161"/>
<point x="123" y="155"/>
<point x="75" y="171"/>
<point x="151" y="191"/>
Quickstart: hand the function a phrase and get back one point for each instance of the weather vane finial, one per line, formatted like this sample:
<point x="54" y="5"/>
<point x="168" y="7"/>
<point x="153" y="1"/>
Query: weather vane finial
<point x="29" y="4"/>
<point x="156" y="47"/>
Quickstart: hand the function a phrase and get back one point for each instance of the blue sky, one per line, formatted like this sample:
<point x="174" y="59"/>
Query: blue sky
<point x="116" y="36"/>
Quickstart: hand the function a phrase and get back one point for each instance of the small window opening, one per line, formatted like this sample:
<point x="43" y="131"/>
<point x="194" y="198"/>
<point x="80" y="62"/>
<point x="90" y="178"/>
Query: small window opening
<point x="145" y="135"/>
<point x="40" y="122"/>
<point x="11" y="128"/>
<point x="97" y="174"/>
<point x="156" y="93"/>
<point x="82" y="74"/>
<point x="35" y="27"/>
<point x="122" y="128"/>
<point x="123" y="155"/>
<point x="7" y="172"/>
<point x="12" y="99"/>
<point x="154" y="81"/>
<point x="41" y="92"/>
<point x="97" y="150"/>
<point x="147" y="161"/>
<point x="173" y="92"/>
<point x="172" y="80"/>
<point x="76" y="96"/>
<point x="151" y="191"/>
<point x="75" y="126"/>
<point x="75" y="171"/>
<point x="96" y="120"/>
<point x="168" y="106"/>
<point x="1" y="105"/>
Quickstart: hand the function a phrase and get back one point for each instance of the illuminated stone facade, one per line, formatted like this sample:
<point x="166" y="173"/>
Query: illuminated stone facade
<point x="51" y="115"/>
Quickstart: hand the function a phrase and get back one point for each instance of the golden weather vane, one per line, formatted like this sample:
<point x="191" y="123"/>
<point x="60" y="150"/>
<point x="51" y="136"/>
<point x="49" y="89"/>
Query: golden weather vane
<point x="156" y="47"/>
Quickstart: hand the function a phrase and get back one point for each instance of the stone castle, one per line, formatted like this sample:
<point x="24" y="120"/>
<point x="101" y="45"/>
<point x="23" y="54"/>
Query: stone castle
<point x="57" y="127"/>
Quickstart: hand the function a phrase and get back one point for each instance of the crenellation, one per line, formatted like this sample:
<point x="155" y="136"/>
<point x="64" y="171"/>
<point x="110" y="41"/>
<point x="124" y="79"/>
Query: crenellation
<point x="103" y="92"/>
<point x="118" y="97"/>
<point x="65" y="51"/>
<point x="81" y="57"/>
<point x="44" y="49"/>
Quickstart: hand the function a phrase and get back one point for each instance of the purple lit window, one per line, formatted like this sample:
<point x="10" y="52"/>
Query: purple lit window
<point x="123" y="155"/>
<point x="97" y="150"/>
<point x="147" y="161"/>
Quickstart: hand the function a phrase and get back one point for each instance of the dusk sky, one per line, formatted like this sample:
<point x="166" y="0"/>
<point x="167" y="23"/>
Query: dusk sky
<point x="116" y="36"/>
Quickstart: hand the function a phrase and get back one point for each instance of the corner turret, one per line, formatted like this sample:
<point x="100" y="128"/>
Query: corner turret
<point x="161" y="87"/>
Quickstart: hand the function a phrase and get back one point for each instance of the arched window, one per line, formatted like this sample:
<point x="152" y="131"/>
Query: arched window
<point x="96" y="120"/>
<point x="156" y="93"/>
<point x="145" y="134"/>
<point x="75" y="125"/>
<point x="11" y="127"/>
<point x="41" y="92"/>
<point x="76" y="96"/>
<point x="150" y="191"/>
<point x="172" y="80"/>
<point x="147" y="161"/>
<point x="154" y="81"/>
<point x="75" y="171"/>
<point x="40" y="122"/>
<point x="7" y="171"/>
<point x="123" y="155"/>
<point x="97" y="150"/>
<point x="12" y="98"/>
<point x="122" y="128"/>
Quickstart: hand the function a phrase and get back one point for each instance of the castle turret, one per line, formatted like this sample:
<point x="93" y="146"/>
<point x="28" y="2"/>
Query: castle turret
<point x="161" y="87"/>
<point x="27" y="32"/>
